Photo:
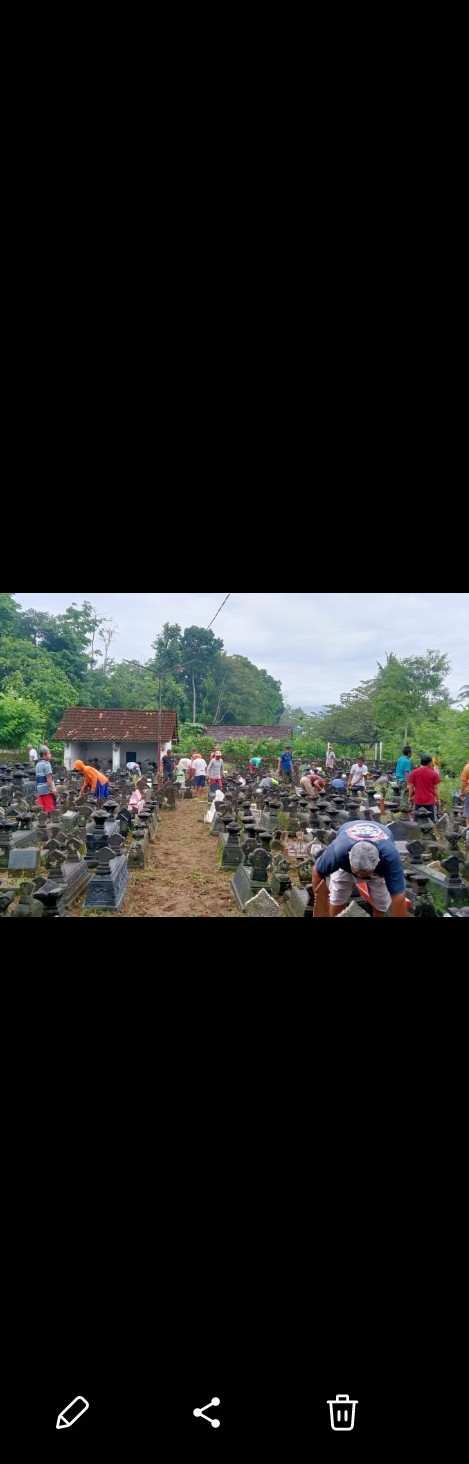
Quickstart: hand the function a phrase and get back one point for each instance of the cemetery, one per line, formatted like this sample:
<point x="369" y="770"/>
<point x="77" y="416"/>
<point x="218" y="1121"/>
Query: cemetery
<point x="248" y="853"/>
<point x="308" y="795"/>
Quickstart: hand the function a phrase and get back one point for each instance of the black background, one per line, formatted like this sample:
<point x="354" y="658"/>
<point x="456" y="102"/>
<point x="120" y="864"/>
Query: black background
<point x="219" y="1205"/>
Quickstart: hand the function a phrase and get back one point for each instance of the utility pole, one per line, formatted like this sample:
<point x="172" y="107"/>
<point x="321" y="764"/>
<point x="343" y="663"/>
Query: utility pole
<point x="160" y="770"/>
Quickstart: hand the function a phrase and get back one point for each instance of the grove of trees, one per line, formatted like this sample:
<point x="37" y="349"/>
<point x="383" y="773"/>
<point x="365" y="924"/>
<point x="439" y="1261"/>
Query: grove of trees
<point x="49" y="662"/>
<point x="406" y="701"/>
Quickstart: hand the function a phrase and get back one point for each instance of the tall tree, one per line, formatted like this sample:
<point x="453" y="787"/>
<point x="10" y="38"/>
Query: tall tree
<point x="191" y="655"/>
<point x="240" y="693"/>
<point x="9" y="614"/>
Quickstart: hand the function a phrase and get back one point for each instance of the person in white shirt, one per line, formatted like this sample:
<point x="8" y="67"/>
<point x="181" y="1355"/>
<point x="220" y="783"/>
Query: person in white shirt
<point x="357" y="775"/>
<point x="216" y="771"/>
<point x="331" y="758"/>
<point x="199" y="769"/>
<point x="32" y="754"/>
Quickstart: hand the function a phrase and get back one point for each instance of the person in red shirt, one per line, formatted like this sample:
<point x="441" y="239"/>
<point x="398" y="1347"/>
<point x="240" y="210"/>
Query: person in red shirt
<point x="422" y="785"/>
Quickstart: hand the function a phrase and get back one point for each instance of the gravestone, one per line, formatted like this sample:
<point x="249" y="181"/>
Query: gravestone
<point x="423" y="905"/>
<point x="280" y="880"/>
<point x="352" y="912"/>
<point x="108" y="886"/>
<point x="50" y="896"/>
<point x="241" y="885"/>
<point x="401" y="829"/>
<point x="444" y="824"/>
<point x="7" y="895"/>
<point x="259" y="862"/>
<point x="24" y="859"/>
<point x="262" y="907"/>
<point x="296" y="903"/>
<point x="69" y="820"/>
<point x="232" y="854"/>
<point x="137" y="854"/>
<point x="451" y="866"/>
<point x="27" y="907"/>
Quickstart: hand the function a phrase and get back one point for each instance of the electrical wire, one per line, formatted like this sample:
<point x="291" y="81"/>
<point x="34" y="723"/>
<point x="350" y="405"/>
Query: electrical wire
<point x="218" y="611"/>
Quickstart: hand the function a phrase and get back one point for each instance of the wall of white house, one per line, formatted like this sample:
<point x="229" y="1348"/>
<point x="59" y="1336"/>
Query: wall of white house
<point x="105" y="752"/>
<point x="72" y="751"/>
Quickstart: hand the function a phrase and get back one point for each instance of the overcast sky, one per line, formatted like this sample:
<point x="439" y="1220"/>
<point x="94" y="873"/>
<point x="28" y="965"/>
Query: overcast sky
<point x="317" y="645"/>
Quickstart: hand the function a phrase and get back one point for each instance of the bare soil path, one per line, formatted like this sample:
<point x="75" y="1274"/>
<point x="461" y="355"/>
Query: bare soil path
<point x="182" y="876"/>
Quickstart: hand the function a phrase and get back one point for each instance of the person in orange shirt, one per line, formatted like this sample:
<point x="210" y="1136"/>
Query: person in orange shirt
<point x="465" y="790"/>
<point x="92" y="779"/>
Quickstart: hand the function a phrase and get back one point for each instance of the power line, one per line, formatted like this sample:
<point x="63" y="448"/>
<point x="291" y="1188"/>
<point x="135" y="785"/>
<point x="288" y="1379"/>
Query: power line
<point x="218" y="611"/>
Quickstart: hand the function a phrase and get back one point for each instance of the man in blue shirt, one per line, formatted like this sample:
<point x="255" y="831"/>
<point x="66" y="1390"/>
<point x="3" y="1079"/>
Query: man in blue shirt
<point x="403" y="770"/>
<point x="361" y="851"/>
<point x="285" y="765"/>
<point x="45" y="786"/>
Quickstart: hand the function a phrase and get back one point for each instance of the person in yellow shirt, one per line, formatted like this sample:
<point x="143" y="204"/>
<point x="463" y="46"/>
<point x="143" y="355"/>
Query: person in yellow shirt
<point x="92" y="779"/>
<point x="465" y="790"/>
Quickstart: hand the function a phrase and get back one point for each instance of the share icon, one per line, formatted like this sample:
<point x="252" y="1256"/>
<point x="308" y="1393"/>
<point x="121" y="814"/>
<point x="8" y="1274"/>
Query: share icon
<point x="201" y="1412"/>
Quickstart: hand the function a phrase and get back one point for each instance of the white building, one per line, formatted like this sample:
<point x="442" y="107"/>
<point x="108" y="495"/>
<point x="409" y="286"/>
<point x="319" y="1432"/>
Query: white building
<point x="114" y="737"/>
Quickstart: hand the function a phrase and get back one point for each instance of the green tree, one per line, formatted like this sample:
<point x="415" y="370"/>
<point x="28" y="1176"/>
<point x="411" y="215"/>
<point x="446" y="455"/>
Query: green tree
<point x="21" y="719"/>
<point x="239" y="693"/>
<point x="71" y="637"/>
<point x="463" y="696"/>
<point x="400" y="693"/>
<point x="9" y="615"/>
<point x="192" y="658"/>
<point x="44" y="683"/>
<point x="351" y="723"/>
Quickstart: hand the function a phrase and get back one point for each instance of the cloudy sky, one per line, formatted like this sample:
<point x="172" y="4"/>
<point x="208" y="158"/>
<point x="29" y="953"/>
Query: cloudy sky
<point x="317" y="645"/>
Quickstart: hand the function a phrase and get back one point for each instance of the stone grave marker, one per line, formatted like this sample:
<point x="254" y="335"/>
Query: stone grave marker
<point x="108" y="886"/>
<point x="280" y="880"/>
<point x="259" y="862"/>
<point x="262" y="906"/>
<point x="451" y="865"/>
<point x="296" y="903"/>
<point x="241" y="885"/>
<point x="352" y="912"/>
<point x="7" y="895"/>
<point x="27" y="907"/>
<point x="50" y="898"/>
<point x="24" y="859"/>
<point x="232" y="854"/>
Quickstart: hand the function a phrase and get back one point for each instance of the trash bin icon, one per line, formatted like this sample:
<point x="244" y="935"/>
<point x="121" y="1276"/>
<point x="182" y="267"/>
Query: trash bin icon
<point x="342" y="1411"/>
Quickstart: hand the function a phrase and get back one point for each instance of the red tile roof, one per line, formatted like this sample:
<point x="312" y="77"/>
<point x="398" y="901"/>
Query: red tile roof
<point x="89" y="724"/>
<point x="255" y="734"/>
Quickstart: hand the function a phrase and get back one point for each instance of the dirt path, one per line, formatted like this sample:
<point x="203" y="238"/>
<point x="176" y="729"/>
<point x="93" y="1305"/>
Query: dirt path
<point x="182" y="877"/>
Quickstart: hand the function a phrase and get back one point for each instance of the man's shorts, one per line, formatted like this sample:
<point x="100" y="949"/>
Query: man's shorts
<point x="47" y="802"/>
<point x="200" y="782"/>
<point x="341" y="886"/>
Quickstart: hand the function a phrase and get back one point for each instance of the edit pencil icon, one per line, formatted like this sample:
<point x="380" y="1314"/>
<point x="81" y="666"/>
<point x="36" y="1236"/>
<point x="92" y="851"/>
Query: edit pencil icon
<point x="72" y="1413"/>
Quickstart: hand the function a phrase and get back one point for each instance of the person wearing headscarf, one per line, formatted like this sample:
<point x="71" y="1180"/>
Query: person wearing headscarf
<point x="92" y="780"/>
